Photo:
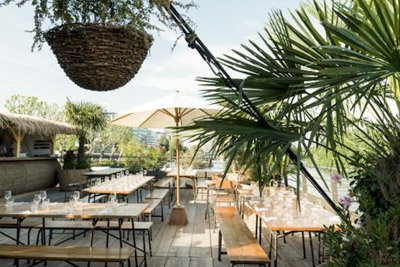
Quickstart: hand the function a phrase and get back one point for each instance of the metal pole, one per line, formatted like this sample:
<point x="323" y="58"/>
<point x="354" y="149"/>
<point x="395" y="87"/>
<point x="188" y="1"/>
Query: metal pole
<point x="194" y="42"/>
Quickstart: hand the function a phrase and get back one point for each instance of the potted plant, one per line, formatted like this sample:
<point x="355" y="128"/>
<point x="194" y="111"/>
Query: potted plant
<point x="100" y="45"/>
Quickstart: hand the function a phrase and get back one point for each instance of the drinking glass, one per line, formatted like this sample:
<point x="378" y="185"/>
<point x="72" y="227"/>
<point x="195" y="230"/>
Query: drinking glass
<point x="34" y="207"/>
<point x="43" y="195"/>
<point x="76" y="195"/>
<point x="36" y="199"/>
<point x="46" y="203"/>
<point x="144" y="172"/>
<point x="8" y="195"/>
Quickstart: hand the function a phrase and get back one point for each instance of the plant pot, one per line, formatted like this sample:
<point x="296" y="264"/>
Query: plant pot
<point x="68" y="177"/>
<point x="99" y="57"/>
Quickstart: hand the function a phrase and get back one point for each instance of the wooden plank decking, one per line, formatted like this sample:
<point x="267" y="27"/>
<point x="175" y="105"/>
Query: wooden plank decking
<point x="193" y="245"/>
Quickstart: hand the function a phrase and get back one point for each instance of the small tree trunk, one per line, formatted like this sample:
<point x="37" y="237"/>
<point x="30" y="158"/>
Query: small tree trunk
<point x="113" y="149"/>
<point x="81" y="148"/>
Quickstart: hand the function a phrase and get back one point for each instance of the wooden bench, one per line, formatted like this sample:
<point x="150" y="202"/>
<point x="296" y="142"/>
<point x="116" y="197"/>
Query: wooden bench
<point x="165" y="183"/>
<point x="159" y="194"/>
<point x="70" y="253"/>
<point x="153" y="204"/>
<point x="241" y="246"/>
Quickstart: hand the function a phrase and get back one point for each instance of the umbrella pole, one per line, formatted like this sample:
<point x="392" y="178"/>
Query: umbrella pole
<point x="178" y="215"/>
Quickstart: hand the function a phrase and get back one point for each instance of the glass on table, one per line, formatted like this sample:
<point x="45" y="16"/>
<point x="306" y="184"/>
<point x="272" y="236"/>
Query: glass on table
<point x="36" y="199"/>
<point x="43" y="195"/>
<point x="145" y="172"/>
<point x="7" y="195"/>
<point x="34" y="207"/>
<point x="46" y="203"/>
<point x="76" y="195"/>
<point x="8" y="198"/>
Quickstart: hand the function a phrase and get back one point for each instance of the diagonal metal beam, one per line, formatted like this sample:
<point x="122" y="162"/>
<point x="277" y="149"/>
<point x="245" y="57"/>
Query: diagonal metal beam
<point x="194" y="42"/>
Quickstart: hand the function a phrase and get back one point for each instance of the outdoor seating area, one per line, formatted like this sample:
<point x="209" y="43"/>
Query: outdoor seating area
<point x="207" y="133"/>
<point x="70" y="229"/>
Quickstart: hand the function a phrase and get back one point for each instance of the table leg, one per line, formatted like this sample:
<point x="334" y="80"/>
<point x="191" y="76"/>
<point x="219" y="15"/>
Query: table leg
<point x="44" y="234"/>
<point x="304" y="245"/>
<point x="207" y="201"/>
<point x="312" y="249"/>
<point x="219" y="245"/>
<point x="276" y="250"/>
<point x="256" y="230"/>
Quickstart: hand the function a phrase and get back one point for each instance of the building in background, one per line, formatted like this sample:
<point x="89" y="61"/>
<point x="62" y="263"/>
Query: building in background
<point x="146" y="136"/>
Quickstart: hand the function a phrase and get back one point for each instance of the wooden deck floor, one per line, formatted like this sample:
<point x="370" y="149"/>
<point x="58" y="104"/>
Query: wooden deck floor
<point x="193" y="245"/>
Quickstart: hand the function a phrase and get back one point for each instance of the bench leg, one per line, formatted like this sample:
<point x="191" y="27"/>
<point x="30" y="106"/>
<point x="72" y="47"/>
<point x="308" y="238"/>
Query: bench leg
<point x="162" y="212"/>
<point x="120" y="222"/>
<point x="134" y="242"/>
<point x="219" y="245"/>
<point x="144" y="249"/>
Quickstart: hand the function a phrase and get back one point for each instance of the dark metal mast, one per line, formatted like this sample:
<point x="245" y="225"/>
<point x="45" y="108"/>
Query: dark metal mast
<point x="194" y="42"/>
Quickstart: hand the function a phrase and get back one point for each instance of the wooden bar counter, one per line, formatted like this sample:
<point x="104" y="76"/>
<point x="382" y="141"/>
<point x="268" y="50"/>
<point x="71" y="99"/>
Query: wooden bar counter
<point x="21" y="175"/>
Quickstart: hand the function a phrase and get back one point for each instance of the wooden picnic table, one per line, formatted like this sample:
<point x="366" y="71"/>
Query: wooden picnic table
<point x="105" y="172"/>
<point x="111" y="187"/>
<point x="284" y="220"/>
<point x="94" y="211"/>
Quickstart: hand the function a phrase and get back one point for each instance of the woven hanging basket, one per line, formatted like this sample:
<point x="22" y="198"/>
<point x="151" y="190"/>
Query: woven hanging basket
<point x="99" y="57"/>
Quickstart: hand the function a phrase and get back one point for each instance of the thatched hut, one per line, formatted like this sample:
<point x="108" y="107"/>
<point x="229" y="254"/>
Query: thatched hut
<point x="26" y="150"/>
<point x="33" y="130"/>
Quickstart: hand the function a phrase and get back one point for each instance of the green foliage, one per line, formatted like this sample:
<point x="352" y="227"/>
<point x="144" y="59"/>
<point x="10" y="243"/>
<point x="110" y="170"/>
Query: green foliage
<point x="107" y="163"/>
<point x="376" y="243"/>
<point x="137" y="156"/>
<point x="164" y="142"/>
<point x="31" y="105"/>
<point x="129" y="13"/>
<point x="69" y="160"/>
<point x="88" y="117"/>
<point x="189" y="159"/>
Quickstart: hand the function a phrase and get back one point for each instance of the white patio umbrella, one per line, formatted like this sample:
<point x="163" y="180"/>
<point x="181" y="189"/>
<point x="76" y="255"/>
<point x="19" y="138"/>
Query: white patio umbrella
<point x="172" y="110"/>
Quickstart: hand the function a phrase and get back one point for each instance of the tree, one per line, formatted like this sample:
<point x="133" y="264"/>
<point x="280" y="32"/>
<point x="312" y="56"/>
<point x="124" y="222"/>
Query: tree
<point x="88" y="117"/>
<point x="31" y="105"/>
<point x="111" y="137"/>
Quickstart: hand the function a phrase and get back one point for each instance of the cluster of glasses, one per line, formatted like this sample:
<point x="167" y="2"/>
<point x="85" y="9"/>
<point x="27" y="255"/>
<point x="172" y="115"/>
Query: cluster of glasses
<point x="40" y="201"/>
<point x="74" y="200"/>
<point x="9" y="199"/>
<point x="120" y="182"/>
<point x="112" y="200"/>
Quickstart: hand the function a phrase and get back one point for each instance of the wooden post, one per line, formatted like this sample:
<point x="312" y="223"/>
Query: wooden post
<point x="178" y="180"/>
<point x="178" y="214"/>
<point x="18" y="136"/>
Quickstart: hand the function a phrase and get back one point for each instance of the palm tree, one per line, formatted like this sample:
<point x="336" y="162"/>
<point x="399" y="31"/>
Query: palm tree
<point x="312" y="81"/>
<point x="88" y="117"/>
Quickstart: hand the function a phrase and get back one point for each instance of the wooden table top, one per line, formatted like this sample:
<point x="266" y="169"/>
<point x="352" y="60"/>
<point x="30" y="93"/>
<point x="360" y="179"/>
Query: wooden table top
<point x="311" y="218"/>
<point x="111" y="187"/>
<point x="84" y="211"/>
<point x="105" y="172"/>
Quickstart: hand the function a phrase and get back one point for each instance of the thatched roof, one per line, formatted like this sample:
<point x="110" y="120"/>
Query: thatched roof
<point x="35" y="125"/>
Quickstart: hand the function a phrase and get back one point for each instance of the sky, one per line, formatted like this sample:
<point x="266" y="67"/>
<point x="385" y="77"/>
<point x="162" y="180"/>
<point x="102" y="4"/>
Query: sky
<point x="222" y="25"/>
